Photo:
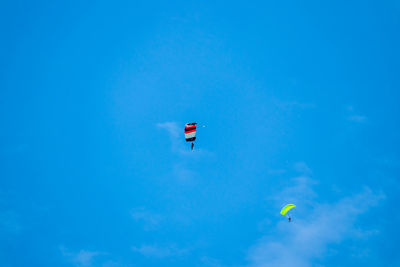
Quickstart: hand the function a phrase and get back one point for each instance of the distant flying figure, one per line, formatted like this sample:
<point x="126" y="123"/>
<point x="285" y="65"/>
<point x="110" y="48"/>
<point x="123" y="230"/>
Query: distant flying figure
<point x="285" y="210"/>
<point x="190" y="132"/>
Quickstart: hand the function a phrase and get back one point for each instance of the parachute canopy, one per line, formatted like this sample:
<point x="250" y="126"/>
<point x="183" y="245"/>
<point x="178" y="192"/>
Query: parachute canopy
<point x="287" y="208"/>
<point x="190" y="131"/>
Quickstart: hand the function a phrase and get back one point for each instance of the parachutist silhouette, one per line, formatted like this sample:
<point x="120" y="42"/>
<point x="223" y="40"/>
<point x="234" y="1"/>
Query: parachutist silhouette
<point x="190" y="132"/>
<point x="285" y="210"/>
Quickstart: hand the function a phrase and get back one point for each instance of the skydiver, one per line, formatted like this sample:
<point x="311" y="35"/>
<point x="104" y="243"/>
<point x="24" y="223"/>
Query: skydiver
<point x="192" y="145"/>
<point x="289" y="219"/>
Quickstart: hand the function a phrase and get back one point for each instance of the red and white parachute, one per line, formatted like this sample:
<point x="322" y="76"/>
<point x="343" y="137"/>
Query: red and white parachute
<point x="190" y="131"/>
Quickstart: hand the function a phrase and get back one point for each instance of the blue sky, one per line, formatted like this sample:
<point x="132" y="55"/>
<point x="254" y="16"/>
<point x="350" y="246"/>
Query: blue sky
<point x="301" y="105"/>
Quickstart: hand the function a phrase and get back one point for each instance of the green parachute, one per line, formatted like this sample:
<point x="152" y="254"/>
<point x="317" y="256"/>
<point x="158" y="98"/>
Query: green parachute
<point x="287" y="208"/>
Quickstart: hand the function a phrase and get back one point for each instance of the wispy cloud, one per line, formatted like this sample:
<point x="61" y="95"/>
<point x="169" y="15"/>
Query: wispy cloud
<point x="307" y="237"/>
<point x="159" y="252"/>
<point x="175" y="133"/>
<point x="150" y="220"/>
<point x="171" y="127"/>
<point x="300" y="189"/>
<point x="83" y="258"/>
<point x="111" y="263"/>
<point x="183" y="174"/>
<point x="302" y="167"/>
<point x="210" y="262"/>
<point x="355" y="117"/>
<point x="182" y="154"/>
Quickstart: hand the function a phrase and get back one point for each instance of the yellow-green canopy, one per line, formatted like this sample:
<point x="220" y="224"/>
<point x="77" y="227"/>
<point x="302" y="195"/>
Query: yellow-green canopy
<point x="287" y="208"/>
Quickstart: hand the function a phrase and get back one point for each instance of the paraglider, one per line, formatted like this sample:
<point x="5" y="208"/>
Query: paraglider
<point x="190" y="132"/>
<point x="285" y="210"/>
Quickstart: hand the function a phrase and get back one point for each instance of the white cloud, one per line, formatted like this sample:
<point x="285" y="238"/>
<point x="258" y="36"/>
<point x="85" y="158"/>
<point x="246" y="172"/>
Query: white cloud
<point x="149" y="219"/>
<point x="159" y="252"/>
<point x="299" y="190"/>
<point x="85" y="257"/>
<point x="183" y="174"/>
<point x="111" y="264"/>
<point x="82" y="258"/>
<point x="302" y="167"/>
<point x="175" y="133"/>
<point x="354" y="117"/>
<point x="357" y="118"/>
<point x="308" y="237"/>
<point x="210" y="262"/>
<point x="182" y="154"/>
<point x="171" y="127"/>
